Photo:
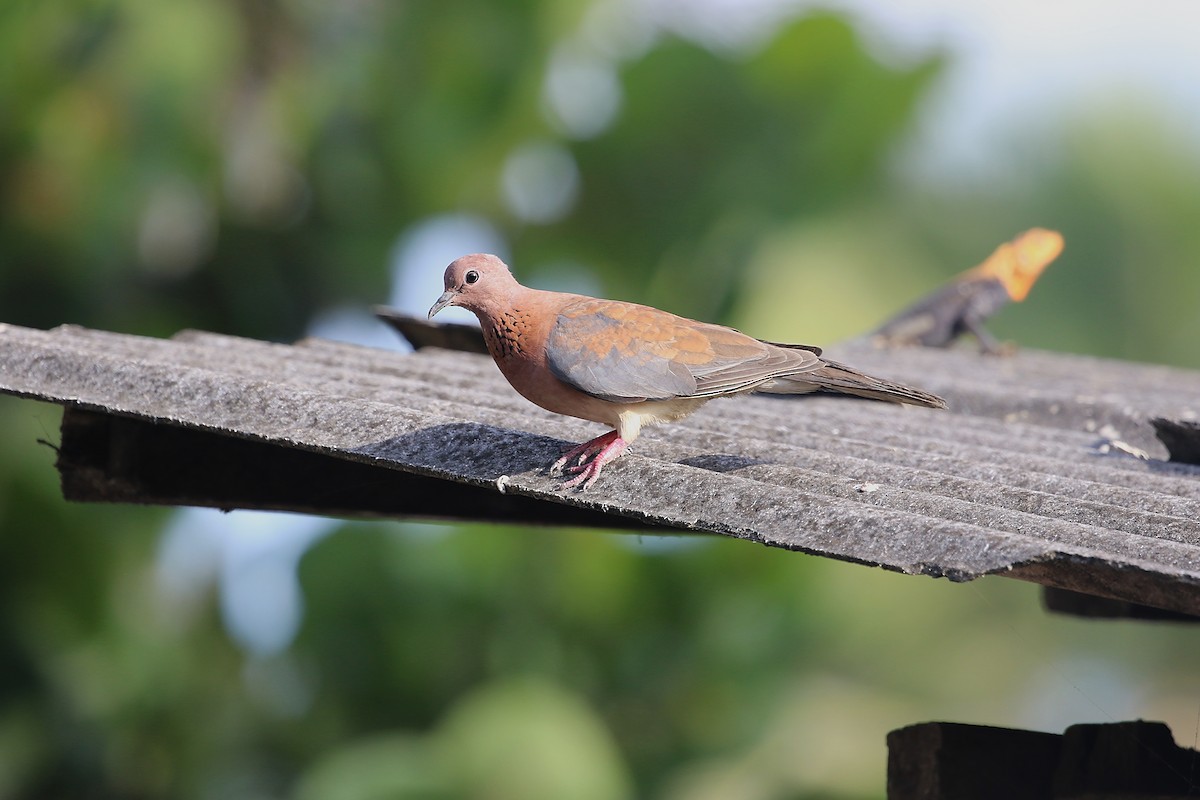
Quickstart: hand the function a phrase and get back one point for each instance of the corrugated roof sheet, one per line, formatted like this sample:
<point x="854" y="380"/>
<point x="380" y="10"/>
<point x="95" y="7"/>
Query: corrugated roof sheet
<point x="1029" y="474"/>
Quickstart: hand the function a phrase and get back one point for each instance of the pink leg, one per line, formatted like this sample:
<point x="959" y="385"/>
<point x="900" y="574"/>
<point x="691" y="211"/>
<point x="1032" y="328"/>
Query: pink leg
<point x="589" y="458"/>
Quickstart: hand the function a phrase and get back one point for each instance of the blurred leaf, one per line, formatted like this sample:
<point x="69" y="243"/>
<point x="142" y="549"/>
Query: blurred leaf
<point x="528" y="740"/>
<point x="386" y="767"/>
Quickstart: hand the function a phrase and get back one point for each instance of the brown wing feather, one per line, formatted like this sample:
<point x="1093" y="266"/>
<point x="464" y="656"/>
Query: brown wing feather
<point x="741" y="362"/>
<point x="626" y="353"/>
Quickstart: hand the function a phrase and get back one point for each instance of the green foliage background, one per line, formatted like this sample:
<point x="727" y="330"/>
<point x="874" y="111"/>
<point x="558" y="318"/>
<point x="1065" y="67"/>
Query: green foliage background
<point x="240" y="166"/>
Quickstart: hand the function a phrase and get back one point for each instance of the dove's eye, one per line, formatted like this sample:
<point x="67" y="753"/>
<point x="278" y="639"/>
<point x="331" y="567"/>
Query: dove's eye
<point x="471" y="277"/>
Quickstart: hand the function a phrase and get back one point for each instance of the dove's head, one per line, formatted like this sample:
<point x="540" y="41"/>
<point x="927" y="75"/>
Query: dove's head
<point x="479" y="282"/>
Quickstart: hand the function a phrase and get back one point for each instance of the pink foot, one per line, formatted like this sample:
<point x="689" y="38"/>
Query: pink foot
<point x="588" y="459"/>
<point x="580" y="454"/>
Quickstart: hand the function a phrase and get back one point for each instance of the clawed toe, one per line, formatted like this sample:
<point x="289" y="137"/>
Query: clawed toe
<point x="586" y="460"/>
<point x="571" y="462"/>
<point x="582" y="480"/>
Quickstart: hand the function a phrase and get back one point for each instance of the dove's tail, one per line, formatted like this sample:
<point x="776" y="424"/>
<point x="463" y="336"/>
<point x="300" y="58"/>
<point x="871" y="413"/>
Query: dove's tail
<point x="840" y="379"/>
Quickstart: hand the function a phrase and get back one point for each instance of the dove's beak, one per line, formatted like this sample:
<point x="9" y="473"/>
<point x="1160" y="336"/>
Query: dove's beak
<point x="446" y="299"/>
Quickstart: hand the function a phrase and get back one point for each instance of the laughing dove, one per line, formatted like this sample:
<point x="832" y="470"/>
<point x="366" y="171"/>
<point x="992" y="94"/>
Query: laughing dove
<point x="627" y="365"/>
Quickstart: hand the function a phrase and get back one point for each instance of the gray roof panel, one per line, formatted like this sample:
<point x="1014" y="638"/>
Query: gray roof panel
<point x="1028" y="474"/>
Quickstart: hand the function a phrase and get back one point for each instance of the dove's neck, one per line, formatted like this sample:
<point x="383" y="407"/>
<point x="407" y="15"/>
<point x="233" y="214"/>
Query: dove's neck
<point x="513" y="324"/>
